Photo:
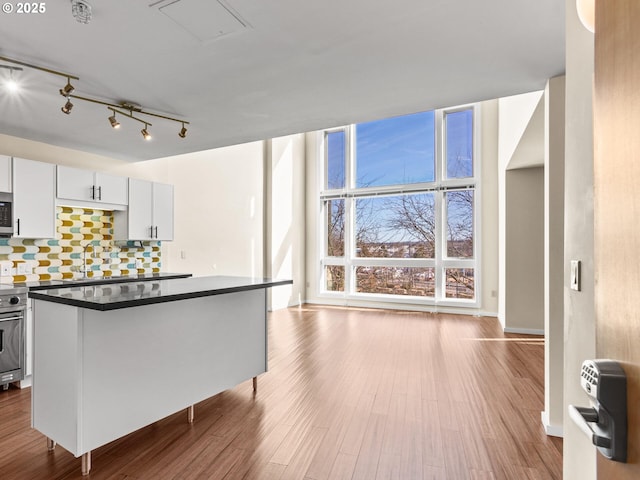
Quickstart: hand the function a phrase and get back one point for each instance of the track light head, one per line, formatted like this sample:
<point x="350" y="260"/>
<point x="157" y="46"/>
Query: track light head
<point x="114" y="123"/>
<point x="67" y="89"/>
<point x="183" y="132"/>
<point x="11" y="84"/>
<point x="145" y="134"/>
<point x="67" y="107"/>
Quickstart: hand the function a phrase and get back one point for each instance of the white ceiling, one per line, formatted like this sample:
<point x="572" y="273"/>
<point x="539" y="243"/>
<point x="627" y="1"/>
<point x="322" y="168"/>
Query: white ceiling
<point x="279" y="67"/>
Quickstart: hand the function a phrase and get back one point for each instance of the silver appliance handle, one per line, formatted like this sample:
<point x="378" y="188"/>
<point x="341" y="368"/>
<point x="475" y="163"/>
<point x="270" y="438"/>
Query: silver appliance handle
<point x="19" y="317"/>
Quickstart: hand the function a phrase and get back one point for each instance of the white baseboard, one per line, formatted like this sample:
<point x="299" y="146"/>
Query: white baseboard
<point x="552" y="430"/>
<point x="524" y="331"/>
<point x="26" y="382"/>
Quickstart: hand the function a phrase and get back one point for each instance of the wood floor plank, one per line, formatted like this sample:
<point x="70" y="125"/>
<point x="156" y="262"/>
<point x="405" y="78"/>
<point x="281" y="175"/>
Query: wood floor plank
<point x="367" y="462"/>
<point x="350" y="393"/>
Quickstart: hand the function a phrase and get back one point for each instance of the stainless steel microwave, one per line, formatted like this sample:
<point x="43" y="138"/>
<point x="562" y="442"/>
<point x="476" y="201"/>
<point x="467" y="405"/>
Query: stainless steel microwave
<point x="6" y="214"/>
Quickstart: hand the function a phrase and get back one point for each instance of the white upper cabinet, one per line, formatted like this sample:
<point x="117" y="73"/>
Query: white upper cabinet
<point x="163" y="211"/>
<point x="150" y="212"/>
<point x="112" y="188"/>
<point x="5" y="173"/>
<point x="88" y="186"/>
<point x="34" y="206"/>
<point x="140" y="225"/>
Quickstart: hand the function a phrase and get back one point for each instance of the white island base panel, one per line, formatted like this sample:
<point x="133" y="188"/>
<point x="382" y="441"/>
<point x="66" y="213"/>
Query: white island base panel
<point x="100" y="375"/>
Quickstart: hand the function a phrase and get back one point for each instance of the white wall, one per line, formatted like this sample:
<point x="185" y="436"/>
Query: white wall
<point x="524" y="250"/>
<point x="554" y="96"/>
<point x="579" y="309"/>
<point x="489" y="205"/>
<point x="43" y="152"/>
<point x="285" y="217"/>
<point x="521" y="213"/>
<point x="219" y="194"/>
<point x="518" y="115"/>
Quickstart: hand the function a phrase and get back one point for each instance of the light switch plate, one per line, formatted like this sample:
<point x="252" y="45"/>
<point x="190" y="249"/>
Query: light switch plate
<point x="575" y="275"/>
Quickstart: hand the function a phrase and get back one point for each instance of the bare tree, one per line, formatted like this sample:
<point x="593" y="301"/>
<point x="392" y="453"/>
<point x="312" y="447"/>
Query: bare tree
<point x="413" y="216"/>
<point x="460" y="223"/>
<point x="335" y="210"/>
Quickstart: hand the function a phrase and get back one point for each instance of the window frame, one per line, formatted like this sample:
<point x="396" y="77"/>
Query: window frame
<point x="439" y="187"/>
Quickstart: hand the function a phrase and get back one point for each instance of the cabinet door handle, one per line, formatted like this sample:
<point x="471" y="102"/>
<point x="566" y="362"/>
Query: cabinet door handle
<point x="100" y="193"/>
<point x="151" y="234"/>
<point x="18" y="224"/>
<point x="156" y="231"/>
<point x="93" y="192"/>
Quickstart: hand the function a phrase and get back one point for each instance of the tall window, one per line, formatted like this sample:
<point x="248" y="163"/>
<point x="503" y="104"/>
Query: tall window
<point x="399" y="202"/>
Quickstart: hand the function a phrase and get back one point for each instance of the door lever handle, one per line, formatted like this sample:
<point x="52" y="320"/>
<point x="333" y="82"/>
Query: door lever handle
<point x="582" y="416"/>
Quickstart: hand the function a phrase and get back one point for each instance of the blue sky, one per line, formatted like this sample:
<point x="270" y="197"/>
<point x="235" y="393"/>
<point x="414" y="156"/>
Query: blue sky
<point x="396" y="150"/>
<point x="401" y="150"/>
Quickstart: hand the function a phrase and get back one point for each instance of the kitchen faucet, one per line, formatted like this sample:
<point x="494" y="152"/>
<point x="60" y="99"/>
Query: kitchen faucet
<point x="84" y="260"/>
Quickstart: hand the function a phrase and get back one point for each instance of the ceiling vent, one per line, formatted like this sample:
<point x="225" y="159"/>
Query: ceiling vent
<point x="206" y="20"/>
<point x="81" y="11"/>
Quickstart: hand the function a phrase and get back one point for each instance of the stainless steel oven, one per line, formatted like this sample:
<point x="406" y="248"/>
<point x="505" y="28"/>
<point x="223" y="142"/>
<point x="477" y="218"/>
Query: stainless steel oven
<point x="6" y="214"/>
<point x="13" y="304"/>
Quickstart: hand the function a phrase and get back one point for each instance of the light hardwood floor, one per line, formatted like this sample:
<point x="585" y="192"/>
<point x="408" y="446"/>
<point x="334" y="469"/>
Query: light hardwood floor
<point x="350" y="394"/>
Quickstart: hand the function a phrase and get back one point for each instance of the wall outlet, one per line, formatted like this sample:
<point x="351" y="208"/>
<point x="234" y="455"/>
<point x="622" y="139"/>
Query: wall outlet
<point x="5" y="269"/>
<point x="22" y="268"/>
<point x="139" y="263"/>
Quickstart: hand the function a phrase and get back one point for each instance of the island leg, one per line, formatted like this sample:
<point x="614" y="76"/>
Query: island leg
<point x="190" y="414"/>
<point x="86" y="463"/>
<point x="255" y="384"/>
<point x="51" y="445"/>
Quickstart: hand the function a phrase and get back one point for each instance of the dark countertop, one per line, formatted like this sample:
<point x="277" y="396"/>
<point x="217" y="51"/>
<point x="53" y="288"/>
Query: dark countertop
<point x="49" y="284"/>
<point x="113" y="296"/>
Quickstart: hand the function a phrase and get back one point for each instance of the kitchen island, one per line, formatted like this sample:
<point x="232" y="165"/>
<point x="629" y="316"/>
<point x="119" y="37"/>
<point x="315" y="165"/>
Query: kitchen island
<point x="111" y="359"/>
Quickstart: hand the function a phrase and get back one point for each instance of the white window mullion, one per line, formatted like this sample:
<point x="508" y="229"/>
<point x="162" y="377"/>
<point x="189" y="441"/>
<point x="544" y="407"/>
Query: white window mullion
<point x="350" y="220"/>
<point x="349" y="247"/>
<point x="439" y="252"/>
<point x="439" y="205"/>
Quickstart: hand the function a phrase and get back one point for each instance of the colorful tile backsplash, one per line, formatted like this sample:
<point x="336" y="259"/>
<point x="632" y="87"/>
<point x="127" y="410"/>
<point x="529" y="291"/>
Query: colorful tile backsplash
<point x="62" y="257"/>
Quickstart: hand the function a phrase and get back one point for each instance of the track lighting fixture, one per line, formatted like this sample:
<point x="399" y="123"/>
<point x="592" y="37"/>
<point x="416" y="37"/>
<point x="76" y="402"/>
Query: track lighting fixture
<point x="125" y="109"/>
<point x="145" y="134"/>
<point x="129" y="114"/>
<point x="67" y="89"/>
<point x="67" y="107"/>
<point x="114" y="123"/>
